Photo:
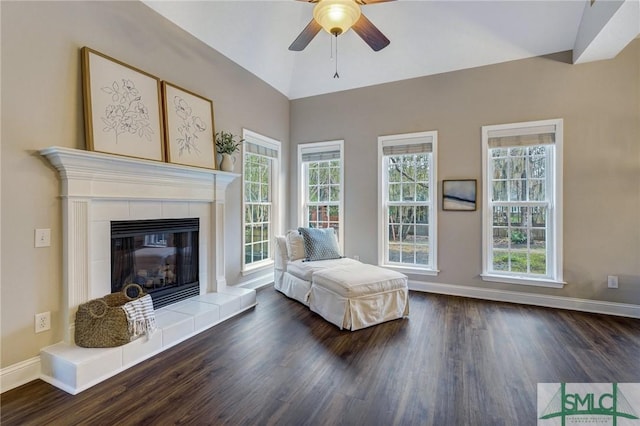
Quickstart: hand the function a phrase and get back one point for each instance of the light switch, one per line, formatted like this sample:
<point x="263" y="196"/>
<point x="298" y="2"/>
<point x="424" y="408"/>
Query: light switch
<point x="43" y="238"/>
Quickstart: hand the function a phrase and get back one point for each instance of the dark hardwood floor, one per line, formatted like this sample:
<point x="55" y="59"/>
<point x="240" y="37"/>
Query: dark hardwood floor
<point x="455" y="361"/>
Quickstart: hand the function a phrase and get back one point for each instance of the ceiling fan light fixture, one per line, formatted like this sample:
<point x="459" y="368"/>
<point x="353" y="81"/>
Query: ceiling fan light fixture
<point x="336" y="16"/>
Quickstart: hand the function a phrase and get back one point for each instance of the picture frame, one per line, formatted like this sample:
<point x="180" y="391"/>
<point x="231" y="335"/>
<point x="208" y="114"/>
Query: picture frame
<point x="189" y="127"/>
<point x="459" y="195"/>
<point x="122" y="108"/>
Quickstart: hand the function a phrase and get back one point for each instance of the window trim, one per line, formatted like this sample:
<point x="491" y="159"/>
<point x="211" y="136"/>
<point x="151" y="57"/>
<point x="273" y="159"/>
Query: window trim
<point x="303" y="184"/>
<point x="274" y="225"/>
<point x="555" y="278"/>
<point x="404" y="139"/>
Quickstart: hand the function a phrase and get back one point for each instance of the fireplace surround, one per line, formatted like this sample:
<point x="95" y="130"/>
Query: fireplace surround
<point x="97" y="189"/>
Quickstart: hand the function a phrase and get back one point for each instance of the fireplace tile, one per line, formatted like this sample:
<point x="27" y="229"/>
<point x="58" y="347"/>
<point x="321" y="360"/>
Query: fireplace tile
<point x="172" y="210"/>
<point x="109" y="210"/>
<point x="78" y="368"/>
<point x="74" y="369"/>
<point x="202" y="210"/>
<point x="141" y="348"/>
<point x="204" y="315"/>
<point x="175" y="326"/>
<point x="229" y="304"/>
<point x="247" y="296"/>
<point x="100" y="278"/>
<point x="145" y="210"/>
<point x="100" y="240"/>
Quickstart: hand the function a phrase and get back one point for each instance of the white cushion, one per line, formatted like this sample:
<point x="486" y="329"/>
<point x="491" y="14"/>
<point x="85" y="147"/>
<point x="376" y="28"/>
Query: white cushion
<point x="295" y="245"/>
<point x="354" y="280"/>
<point x="305" y="270"/>
<point x="281" y="257"/>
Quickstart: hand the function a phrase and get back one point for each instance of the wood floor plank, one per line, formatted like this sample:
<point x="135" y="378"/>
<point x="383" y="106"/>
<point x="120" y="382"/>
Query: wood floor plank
<point x="454" y="361"/>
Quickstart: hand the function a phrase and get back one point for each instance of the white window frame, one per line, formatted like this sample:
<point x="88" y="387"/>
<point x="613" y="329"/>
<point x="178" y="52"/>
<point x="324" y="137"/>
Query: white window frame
<point x="271" y="146"/>
<point x="553" y="188"/>
<point x="303" y="185"/>
<point x="383" y="219"/>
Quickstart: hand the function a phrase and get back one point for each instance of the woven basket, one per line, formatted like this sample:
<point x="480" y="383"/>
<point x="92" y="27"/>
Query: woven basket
<point x="102" y="323"/>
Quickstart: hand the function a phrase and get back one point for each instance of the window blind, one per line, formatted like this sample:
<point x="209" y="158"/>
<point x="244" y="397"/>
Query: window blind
<point x="413" y="148"/>
<point x="258" y="149"/>
<point x="524" y="136"/>
<point x="323" y="153"/>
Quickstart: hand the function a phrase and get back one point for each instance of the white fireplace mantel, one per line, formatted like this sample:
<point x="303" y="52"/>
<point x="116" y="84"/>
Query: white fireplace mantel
<point x="98" y="187"/>
<point x="89" y="174"/>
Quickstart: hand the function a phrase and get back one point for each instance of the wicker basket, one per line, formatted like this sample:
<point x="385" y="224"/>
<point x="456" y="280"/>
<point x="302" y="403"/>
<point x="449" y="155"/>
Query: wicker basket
<point x="102" y="323"/>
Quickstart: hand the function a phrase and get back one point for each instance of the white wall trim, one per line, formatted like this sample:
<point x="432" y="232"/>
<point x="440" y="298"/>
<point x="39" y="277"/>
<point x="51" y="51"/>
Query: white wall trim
<point x="560" y="302"/>
<point x="18" y="374"/>
<point x="554" y="188"/>
<point x="275" y="199"/>
<point x="260" y="281"/>
<point x="430" y="136"/>
<point x="315" y="147"/>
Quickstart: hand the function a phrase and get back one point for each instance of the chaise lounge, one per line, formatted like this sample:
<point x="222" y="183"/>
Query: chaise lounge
<point x="348" y="293"/>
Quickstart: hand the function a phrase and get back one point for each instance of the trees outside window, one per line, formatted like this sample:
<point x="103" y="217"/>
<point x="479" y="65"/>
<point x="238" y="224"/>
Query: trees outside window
<point x="522" y="209"/>
<point x="408" y="201"/>
<point x="260" y="183"/>
<point x="321" y="186"/>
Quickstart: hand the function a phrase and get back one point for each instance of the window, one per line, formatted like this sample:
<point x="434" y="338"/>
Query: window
<point x="321" y="186"/>
<point x="259" y="175"/>
<point x="408" y="194"/>
<point x="522" y="211"/>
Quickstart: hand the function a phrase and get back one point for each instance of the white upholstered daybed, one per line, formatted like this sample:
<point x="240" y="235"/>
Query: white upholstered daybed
<point x="348" y="293"/>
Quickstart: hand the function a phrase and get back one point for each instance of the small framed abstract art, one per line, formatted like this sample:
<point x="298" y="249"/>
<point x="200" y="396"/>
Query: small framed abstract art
<point x="188" y="127"/>
<point x="459" y="194"/>
<point x="121" y="108"/>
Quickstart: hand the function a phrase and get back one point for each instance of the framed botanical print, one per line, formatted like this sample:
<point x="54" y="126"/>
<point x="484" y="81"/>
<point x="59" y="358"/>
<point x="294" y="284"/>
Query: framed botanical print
<point x="121" y="108"/>
<point x="188" y="127"/>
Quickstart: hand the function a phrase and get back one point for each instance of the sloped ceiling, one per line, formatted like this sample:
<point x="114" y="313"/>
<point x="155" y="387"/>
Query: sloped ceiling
<point x="427" y="37"/>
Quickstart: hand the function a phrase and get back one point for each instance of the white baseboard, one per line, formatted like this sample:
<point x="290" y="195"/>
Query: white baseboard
<point x="18" y="374"/>
<point x="561" y="302"/>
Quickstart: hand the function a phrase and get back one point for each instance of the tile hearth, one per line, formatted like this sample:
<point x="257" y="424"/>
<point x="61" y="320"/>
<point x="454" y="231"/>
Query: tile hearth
<point x="74" y="369"/>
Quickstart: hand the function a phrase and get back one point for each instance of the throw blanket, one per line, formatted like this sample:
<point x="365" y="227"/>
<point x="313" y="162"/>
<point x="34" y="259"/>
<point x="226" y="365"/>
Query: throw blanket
<point x="140" y="316"/>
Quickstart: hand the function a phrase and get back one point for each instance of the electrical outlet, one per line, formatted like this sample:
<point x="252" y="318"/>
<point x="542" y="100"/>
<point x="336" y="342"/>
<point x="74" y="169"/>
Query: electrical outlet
<point x="356" y="257"/>
<point x="43" y="237"/>
<point x="612" y="281"/>
<point x="43" y="322"/>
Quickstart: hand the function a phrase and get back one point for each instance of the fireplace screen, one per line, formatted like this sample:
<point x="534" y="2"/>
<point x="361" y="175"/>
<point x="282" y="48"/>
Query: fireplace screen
<point x="159" y="255"/>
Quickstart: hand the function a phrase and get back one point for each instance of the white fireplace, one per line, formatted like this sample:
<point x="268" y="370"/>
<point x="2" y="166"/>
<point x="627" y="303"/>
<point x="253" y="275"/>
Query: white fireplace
<point x="97" y="188"/>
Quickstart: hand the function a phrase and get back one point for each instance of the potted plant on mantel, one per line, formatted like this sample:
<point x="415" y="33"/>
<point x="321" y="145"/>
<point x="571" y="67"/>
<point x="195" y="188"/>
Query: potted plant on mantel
<point x="226" y="146"/>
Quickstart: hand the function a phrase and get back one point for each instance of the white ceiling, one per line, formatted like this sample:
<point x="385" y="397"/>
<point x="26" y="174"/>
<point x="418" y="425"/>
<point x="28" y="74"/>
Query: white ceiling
<point x="427" y="37"/>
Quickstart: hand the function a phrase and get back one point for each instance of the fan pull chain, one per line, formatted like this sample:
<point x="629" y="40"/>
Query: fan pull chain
<point x="331" y="53"/>
<point x="336" y="75"/>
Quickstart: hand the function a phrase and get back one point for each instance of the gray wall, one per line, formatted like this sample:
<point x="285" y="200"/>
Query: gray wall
<point x="600" y="105"/>
<point x="42" y="106"/>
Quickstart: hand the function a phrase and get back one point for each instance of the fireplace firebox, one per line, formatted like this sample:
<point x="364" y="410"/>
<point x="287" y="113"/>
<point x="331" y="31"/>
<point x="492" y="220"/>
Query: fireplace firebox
<point x="159" y="255"/>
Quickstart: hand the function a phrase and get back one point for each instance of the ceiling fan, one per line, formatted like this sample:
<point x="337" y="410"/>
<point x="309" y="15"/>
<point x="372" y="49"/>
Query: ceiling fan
<point x="337" y="17"/>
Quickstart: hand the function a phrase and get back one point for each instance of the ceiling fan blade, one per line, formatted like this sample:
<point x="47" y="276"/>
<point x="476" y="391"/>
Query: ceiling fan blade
<point x="370" y="34"/>
<point x="305" y="37"/>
